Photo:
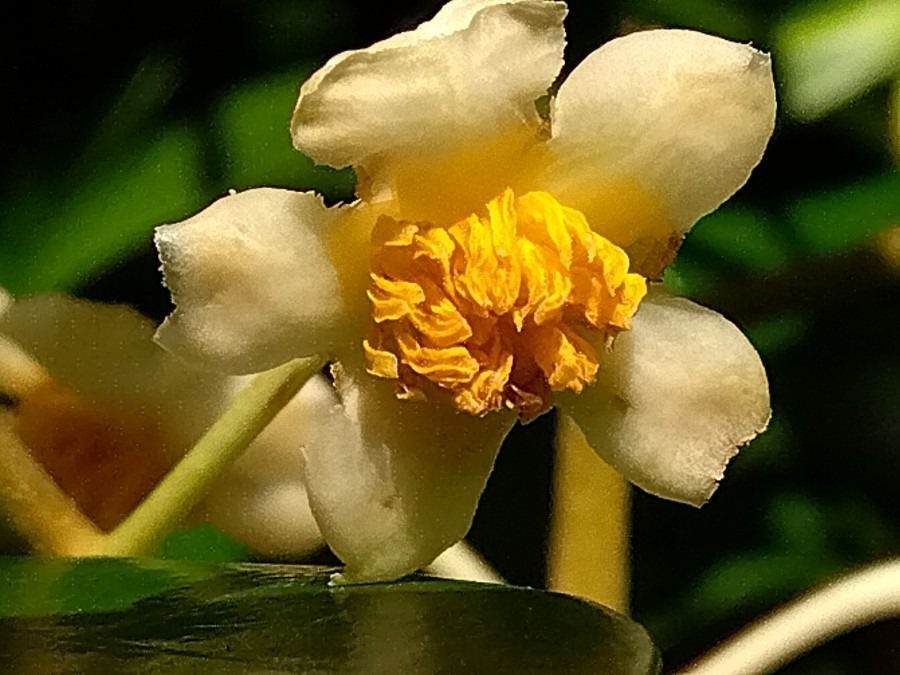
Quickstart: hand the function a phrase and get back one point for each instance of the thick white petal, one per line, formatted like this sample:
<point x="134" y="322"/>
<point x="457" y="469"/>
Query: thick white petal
<point x="675" y="398"/>
<point x="475" y="68"/>
<point x="252" y="281"/>
<point x="262" y="499"/>
<point x="393" y="484"/>
<point x="672" y="118"/>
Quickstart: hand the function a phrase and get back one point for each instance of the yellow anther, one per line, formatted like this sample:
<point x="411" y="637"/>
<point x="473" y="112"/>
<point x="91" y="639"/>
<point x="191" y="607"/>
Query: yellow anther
<point x="500" y="309"/>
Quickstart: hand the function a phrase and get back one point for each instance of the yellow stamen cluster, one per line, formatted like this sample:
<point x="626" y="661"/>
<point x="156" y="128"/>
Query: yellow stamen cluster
<point x="497" y="310"/>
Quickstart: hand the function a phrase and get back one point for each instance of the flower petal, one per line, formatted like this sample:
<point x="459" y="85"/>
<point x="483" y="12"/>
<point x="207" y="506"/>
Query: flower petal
<point x="477" y="66"/>
<point x="262" y="500"/>
<point x="105" y="353"/>
<point x="675" y="398"/>
<point x="669" y="122"/>
<point x="156" y="407"/>
<point x="252" y="280"/>
<point x="394" y="483"/>
<point x="6" y="301"/>
<point x="112" y="411"/>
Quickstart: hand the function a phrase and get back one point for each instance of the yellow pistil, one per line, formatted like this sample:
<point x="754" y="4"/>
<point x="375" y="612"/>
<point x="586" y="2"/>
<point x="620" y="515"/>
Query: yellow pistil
<point x="498" y="310"/>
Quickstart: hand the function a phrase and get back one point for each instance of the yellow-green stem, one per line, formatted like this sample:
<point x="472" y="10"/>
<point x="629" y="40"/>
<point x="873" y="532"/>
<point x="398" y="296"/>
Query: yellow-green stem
<point x="589" y="524"/>
<point x="187" y="483"/>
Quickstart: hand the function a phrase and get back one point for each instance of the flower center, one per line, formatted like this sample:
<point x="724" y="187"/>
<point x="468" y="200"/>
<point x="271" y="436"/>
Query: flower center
<point x="497" y="310"/>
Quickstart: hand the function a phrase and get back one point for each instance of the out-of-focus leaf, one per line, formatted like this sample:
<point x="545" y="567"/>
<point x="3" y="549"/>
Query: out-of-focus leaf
<point x="771" y="451"/>
<point x="728" y="244"/>
<point x="798" y="523"/>
<point x="690" y="277"/>
<point x="46" y="245"/>
<point x="724" y="18"/>
<point x="253" y="123"/>
<point x="35" y="587"/>
<point x="839" y="219"/>
<point x="742" y="237"/>
<point x="280" y="28"/>
<point x="894" y="112"/>
<point x="777" y="333"/>
<point x="795" y="557"/>
<point x="742" y="585"/>
<point x="832" y="52"/>
<point x="155" y="80"/>
<point x="203" y="542"/>
<point x="274" y="619"/>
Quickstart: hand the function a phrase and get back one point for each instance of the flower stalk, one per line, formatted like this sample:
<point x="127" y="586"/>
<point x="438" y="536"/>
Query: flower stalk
<point x="186" y="484"/>
<point x="589" y="524"/>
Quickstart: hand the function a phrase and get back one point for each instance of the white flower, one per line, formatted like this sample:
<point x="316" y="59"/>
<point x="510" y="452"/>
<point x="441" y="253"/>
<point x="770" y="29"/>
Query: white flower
<point x="490" y="268"/>
<point x="106" y="412"/>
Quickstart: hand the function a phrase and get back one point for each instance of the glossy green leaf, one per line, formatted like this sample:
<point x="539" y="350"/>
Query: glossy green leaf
<point x="186" y="618"/>
<point x="832" y="52"/>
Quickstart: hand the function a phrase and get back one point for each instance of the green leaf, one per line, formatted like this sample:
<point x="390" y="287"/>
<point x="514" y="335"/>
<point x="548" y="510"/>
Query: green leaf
<point x="776" y="333"/>
<point x="741" y="236"/>
<point x="253" y="124"/>
<point x="722" y="17"/>
<point x="202" y="542"/>
<point x="839" y="219"/>
<point x="34" y="587"/>
<point x="832" y="52"/>
<point x="49" y="243"/>
<point x="185" y="618"/>
<point x="894" y="122"/>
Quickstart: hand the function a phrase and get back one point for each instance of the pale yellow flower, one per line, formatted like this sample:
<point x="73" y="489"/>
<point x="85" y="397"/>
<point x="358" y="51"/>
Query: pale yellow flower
<point x="107" y="413"/>
<point x="490" y="268"/>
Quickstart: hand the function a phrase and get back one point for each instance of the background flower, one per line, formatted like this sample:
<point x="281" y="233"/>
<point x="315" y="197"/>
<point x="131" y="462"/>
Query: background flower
<point x="107" y="413"/>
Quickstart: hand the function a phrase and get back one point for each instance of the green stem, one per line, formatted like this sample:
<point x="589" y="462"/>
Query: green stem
<point x="187" y="483"/>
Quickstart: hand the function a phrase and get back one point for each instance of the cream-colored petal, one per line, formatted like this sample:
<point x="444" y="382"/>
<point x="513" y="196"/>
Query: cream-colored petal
<point x="112" y="411"/>
<point x="252" y="281"/>
<point x="661" y="125"/>
<point x="394" y="483"/>
<point x="157" y="407"/>
<point x="474" y="69"/>
<point x="105" y="353"/>
<point x="675" y="399"/>
<point x="262" y="500"/>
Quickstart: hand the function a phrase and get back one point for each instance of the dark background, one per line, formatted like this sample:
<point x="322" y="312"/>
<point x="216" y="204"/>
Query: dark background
<point x="117" y="117"/>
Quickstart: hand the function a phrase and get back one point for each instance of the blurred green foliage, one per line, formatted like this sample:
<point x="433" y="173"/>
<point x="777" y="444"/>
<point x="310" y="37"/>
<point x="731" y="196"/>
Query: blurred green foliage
<point x="832" y="52"/>
<point x="175" y="110"/>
